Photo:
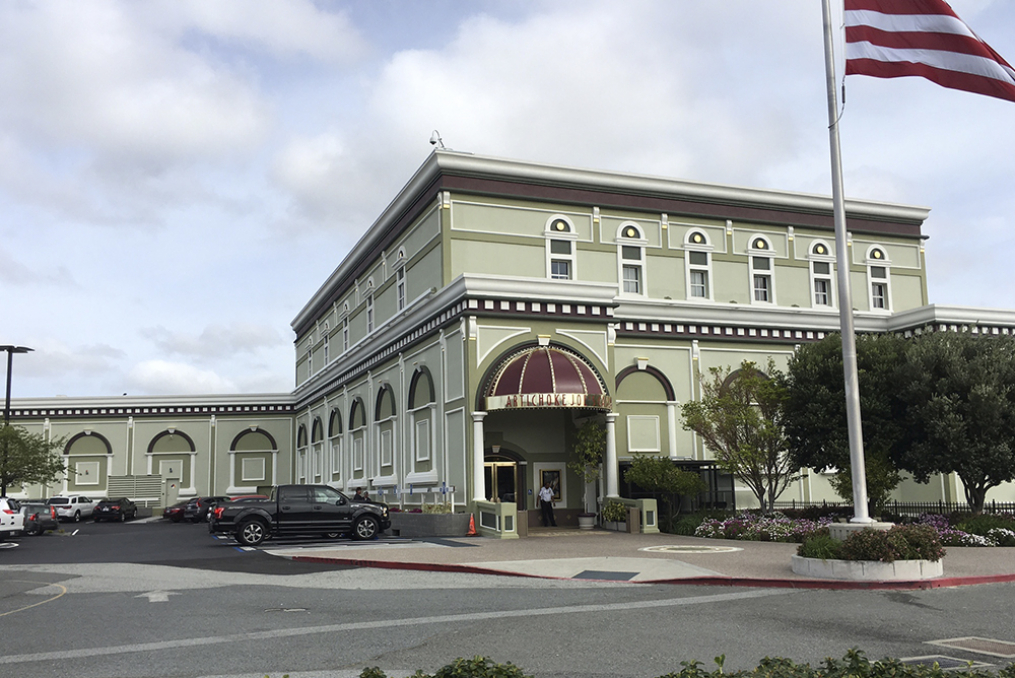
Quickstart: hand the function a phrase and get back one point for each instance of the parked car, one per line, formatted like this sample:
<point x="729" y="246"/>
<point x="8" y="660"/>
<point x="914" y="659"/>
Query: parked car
<point x="73" y="507"/>
<point x="174" y="512"/>
<point x="115" y="509"/>
<point x="196" y="510"/>
<point x="39" y="517"/>
<point x="299" y="510"/>
<point x="12" y="520"/>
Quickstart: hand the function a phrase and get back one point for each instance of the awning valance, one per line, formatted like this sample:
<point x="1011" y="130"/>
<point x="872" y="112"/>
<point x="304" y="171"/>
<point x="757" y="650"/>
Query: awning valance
<point x="546" y="376"/>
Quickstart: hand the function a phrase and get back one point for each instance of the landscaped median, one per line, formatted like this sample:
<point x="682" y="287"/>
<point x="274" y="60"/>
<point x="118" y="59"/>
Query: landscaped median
<point x="854" y="665"/>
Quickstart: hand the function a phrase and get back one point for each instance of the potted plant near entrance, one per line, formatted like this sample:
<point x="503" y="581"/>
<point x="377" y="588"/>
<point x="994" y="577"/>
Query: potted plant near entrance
<point x="587" y="459"/>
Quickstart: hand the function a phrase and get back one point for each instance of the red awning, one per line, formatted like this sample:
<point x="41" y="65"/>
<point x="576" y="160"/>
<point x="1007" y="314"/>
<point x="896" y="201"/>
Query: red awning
<point x="546" y="376"/>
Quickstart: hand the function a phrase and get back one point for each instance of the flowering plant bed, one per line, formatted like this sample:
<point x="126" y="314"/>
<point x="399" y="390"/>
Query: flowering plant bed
<point x="756" y="527"/>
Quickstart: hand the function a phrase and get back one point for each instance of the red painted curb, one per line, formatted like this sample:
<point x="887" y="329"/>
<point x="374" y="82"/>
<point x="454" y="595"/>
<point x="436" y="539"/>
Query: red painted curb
<point x="828" y="584"/>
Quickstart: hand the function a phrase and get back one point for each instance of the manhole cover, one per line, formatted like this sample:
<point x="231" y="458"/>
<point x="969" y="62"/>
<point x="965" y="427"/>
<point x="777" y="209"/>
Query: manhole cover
<point x="995" y="648"/>
<point x="946" y="663"/>
<point x="691" y="549"/>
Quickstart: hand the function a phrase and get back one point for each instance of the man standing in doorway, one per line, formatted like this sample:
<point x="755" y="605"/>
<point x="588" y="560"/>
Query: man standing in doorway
<point x="546" y="504"/>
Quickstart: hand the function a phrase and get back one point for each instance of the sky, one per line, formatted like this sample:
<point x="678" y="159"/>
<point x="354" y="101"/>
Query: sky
<point x="178" y="177"/>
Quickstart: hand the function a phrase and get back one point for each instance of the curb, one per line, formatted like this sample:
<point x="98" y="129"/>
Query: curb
<point x="827" y="584"/>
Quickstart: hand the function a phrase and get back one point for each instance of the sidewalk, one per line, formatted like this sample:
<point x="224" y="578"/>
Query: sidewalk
<point x="642" y="558"/>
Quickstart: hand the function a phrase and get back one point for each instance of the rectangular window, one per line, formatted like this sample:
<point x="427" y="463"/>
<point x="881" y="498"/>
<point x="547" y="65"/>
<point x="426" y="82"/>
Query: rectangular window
<point x="761" y="263"/>
<point x="560" y="247"/>
<point x="632" y="279"/>
<point x="821" y="292"/>
<point x="345" y="335"/>
<point x="370" y="314"/>
<point x="326" y="347"/>
<point x="878" y="295"/>
<point x="699" y="283"/>
<point x="762" y="284"/>
<point x="386" y="448"/>
<point x="879" y="272"/>
<point x="400" y="288"/>
<point x="423" y="440"/>
<point x="630" y="253"/>
<point x="560" y="270"/>
<point x="822" y="268"/>
<point x="698" y="258"/>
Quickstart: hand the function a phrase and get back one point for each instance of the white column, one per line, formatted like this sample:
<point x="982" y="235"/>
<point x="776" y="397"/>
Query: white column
<point x="478" y="448"/>
<point x="671" y="419"/>
<point x="612" y="470"/>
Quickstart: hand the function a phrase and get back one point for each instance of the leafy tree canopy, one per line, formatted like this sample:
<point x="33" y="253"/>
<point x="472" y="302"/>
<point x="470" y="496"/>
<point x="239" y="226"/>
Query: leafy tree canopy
<point x="27" y="458"/>
<point x="665" y="480"/>
<point x="739" y="418"/>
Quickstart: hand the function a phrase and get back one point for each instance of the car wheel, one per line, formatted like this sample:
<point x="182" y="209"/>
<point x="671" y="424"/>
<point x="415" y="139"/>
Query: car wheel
<point x="33" y="530"/>
<point x="175" y="519"/>
<point x="251" y="533"/>
<point x="133" y="514"/>
<point x="123" y="517"/>
<point x="365" y="528"/>
<point x="77" y="516"/>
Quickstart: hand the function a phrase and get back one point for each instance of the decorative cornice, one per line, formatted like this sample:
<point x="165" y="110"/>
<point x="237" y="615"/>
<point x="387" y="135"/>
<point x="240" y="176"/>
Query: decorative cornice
<point x="25" y="409"/>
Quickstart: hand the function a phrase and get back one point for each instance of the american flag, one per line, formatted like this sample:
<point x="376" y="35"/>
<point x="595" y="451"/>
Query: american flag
<point x="925" y="38"/>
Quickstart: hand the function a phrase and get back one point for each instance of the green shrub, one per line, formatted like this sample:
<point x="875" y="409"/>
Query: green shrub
<point x="820" y="546"/>
<point x="477" y="667"/>
<point x="437" y="507"/>
<point x="869" y="544"/>
<point x="614" y="511"/>
<point x="686" y="525"/>
<point x="921" y="542"/>
<point x="985" y="522"/>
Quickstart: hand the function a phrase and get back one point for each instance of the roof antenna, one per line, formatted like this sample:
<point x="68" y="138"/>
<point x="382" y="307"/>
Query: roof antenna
<point x="435" y="140"/>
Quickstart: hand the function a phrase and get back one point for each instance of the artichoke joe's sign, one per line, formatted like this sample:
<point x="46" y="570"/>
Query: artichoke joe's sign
<point x="522" y="401"/>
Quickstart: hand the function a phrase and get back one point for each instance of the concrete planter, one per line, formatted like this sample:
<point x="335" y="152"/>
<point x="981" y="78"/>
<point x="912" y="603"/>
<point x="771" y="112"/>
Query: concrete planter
<point x="616" y="527"/>
<point x="867" y="570"/>
<point x="429" y="524"/>
<point x="586" y="521"/>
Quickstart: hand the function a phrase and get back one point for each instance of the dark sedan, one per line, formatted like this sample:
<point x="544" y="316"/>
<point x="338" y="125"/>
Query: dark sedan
<point x="39" y="518"/>
<point x="121" y="509"/>
<point x="196" y="510"/>
<point x="174" y="512"/>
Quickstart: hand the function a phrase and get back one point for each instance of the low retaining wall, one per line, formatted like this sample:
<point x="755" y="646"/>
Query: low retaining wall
<point x="868" y="570"/>
<point x="429" y="524"/>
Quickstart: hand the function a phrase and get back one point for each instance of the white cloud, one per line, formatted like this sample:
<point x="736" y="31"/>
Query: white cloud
<point x="216" y="341"/>
<point x="162" y="377"/>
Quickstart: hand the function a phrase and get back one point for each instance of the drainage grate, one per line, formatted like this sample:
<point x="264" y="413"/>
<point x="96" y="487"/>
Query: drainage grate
<point x="611" y="576"/>
<point x="993" y="647"/>
<point x="946" y="663"/>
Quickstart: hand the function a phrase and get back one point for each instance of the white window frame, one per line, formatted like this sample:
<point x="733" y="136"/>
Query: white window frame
<point x="884" y="262"/>
<point x="327" y="345"/>
<point x="705" y="247"/>
<point x="570" y="236"/>
<point x="636" y="240"/>
<point x="370" y="313"/>
<point x="400" y="287"/>
<point x="754" y="253"/>
<point x="335" y="442"/>
<point x="256" y="470"/>
<point x="345" y="334"/>
<point x="431" y="431"/>
<point x="829" y="259"/>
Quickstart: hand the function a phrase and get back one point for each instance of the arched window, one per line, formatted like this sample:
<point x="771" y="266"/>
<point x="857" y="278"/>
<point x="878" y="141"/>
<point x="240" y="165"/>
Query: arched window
<point x="631" y="259"/>
<point x="879" y="281"/>
<point x="821" y="262"/>
<point x="422" y="409"/>
<point x="357" y="429"/>
<point x="560" y="237"/>
<point x="254" y="459"/>
<point x="335" y="442"/>
<point x="762" y="279"/>
<point x="698" y="266"/>
<point x="384" y="424"/>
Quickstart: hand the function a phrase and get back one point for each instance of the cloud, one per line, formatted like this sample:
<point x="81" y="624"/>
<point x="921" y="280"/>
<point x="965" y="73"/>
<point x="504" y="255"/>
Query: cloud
<point x="14" y="272"/>
<point x="215" y="341"/>
<point x="162" y="377"/>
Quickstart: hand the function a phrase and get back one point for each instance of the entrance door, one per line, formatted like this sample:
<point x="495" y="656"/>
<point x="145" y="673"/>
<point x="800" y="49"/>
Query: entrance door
<point x="500" y="480"/>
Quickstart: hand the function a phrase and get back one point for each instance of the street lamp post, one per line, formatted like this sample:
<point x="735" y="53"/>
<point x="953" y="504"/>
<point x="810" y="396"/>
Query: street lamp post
<point x="10" y="350"/>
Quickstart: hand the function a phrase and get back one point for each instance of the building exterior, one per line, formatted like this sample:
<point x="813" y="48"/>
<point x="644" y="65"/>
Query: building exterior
<point x="492" y="308"/>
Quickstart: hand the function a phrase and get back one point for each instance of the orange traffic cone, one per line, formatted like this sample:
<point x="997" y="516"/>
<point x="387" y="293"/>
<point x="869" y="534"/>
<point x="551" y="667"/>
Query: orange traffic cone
<point x="472" y="527"/>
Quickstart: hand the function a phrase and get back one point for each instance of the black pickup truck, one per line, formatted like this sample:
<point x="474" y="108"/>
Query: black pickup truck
<point x="299" y="510"/>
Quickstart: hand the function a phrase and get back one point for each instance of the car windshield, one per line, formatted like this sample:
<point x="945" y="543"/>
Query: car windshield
<point x="60" y="500"/>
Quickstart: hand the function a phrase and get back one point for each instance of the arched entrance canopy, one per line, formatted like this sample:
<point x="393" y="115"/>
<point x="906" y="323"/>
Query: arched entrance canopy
<point x="546" y="377"/>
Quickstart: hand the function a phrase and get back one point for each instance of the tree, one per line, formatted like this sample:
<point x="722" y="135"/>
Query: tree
<point x="739" y="418"/>
<point x="814" y="414"/>
<point x="27" y="458"/>
<point x="588" y="451"/>
<point x="959" y="395"/>
<point x="665" y="481"/>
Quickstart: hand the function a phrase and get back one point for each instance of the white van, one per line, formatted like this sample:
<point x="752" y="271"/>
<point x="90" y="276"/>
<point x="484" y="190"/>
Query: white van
<point x="74" y="507"/>
<point x="12" y="520"/>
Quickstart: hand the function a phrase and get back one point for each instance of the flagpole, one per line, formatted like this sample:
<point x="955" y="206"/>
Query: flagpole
<point x="842" y="259"/>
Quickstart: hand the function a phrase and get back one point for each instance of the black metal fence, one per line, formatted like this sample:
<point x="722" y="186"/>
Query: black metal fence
<point x="908" y="508"/>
